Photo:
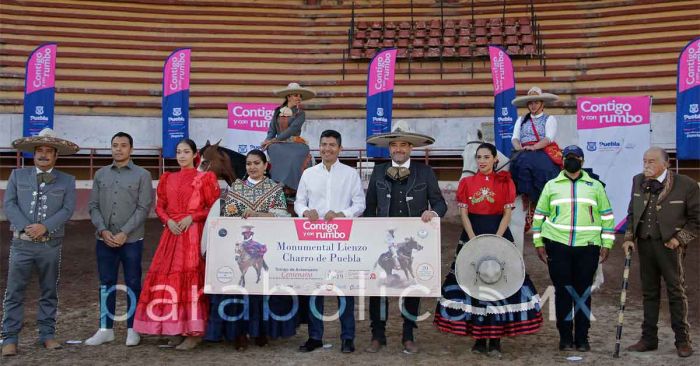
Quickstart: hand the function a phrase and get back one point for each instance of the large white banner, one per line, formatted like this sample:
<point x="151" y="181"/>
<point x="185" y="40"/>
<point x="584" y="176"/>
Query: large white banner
<point x="247" y="125"/>
<point x="614" y="132"/>
<point x="353" y="257"/>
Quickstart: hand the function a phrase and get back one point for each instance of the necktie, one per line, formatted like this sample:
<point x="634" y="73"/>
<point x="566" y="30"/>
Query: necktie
<point x="398" y="172"/>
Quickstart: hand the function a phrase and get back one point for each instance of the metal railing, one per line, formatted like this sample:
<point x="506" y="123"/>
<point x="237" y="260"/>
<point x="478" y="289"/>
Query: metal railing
<point x="94" y="158"/>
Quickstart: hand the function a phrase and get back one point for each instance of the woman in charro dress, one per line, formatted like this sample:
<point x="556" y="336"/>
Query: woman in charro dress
<point x="486" y="200"/>
<point x="256" y="195"/>
<point x="288" y="151"/>
<point x="172" y="302"/>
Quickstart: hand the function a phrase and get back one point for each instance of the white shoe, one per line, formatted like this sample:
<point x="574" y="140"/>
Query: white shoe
<point x="103" y="335"/>
<point x="132" y="338"/>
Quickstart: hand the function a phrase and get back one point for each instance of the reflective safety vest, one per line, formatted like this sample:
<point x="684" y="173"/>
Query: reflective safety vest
<point x="574" y="213"/>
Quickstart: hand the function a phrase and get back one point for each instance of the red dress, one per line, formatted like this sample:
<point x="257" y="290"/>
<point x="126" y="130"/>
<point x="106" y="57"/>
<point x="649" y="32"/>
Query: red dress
<point x="486" y="194"/>
<point x="172" y="301"/>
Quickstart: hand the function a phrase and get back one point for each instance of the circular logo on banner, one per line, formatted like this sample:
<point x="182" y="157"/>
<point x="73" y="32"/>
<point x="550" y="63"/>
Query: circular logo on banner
<point x="222" y="233"/>
<point x="422" y="233"/>
<point x="224" y="274"/>
<point x="425" y="272"/>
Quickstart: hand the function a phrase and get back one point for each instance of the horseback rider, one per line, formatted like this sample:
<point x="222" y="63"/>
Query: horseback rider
<point x="391" y="244"/>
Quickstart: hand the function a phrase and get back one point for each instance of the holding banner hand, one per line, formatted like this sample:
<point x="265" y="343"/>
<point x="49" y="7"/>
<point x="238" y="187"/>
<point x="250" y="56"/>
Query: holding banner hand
<point x="330" y="215"/>
<point x="311" y="215"/>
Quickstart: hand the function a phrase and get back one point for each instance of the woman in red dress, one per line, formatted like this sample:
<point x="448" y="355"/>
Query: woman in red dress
<point x="485" y="201"/>
<point x="172" y="302"/>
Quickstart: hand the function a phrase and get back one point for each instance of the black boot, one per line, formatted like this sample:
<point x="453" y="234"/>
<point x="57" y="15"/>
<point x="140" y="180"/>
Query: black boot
<point x="495" y="347"/>
<point x="480" y="346"/>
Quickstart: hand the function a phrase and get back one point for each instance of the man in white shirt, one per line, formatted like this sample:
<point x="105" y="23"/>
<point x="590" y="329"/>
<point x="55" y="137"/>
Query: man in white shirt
<point x="329" y="190"/>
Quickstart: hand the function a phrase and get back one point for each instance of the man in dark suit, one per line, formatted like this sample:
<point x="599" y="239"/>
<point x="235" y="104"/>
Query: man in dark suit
<point x="401" y="188"/>
<point x="38" y="202"/>
<point x="663" y="217"/>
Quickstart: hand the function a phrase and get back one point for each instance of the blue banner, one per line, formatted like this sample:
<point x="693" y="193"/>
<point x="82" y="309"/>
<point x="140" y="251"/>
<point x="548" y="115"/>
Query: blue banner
<point x="505" y="113"/>
<point x="688" y="102"/>
<point x="176" y="100"/>
<point x="380" y="94"/>
<point x="39" y="90"/>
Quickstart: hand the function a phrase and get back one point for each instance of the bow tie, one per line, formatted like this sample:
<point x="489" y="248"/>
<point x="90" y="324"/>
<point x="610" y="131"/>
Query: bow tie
<point x="398" y="172"/>
<point x="44" y="177"/>
<point x="653" y="186"/>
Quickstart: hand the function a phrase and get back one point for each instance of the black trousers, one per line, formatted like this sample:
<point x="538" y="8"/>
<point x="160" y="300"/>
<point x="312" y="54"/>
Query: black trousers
<point x="379" y="312"/>
<point x="572" y="270"/>
<point x="656" y="262"/>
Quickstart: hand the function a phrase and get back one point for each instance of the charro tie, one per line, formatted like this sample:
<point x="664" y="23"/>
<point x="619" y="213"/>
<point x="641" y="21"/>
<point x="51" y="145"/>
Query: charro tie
<point x="398" y="172"/>
<point x="44" y="177"/>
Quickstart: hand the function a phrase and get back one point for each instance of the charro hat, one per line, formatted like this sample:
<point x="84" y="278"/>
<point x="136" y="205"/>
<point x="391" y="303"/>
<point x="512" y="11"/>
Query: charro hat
<point x="47" y="137"/>
<point x="535" y="93"/>
<point x="295" y="88"/>
<point x="490" y="268"/>
<point x="400" y="132"/>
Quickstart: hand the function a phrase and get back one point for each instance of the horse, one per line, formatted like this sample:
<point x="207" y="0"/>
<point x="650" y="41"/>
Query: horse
<point x="246" y="260"/>
<point x="405" y="256"/>
<point x="226" y="164"/>
<point x="469" y="168"/>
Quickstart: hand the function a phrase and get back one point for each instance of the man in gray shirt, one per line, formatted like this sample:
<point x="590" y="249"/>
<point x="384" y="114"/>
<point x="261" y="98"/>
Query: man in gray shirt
<point x="120" y="201"/>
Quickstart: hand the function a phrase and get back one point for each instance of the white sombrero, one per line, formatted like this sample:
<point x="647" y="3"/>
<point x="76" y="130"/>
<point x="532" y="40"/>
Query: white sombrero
<point x="400" y="132"/>
<point x="295" y="88"/>
<point x="490" y="268"/>
<point x="47" y="137"/>
<point x="535" y="93"/>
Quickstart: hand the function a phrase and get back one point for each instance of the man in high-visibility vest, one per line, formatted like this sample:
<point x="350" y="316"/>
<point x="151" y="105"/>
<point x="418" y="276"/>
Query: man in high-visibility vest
<point x="573" y="230"/>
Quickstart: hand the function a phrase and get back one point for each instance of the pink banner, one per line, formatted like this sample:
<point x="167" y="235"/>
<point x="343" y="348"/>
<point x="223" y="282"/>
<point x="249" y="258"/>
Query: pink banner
<point x="501" y="70"/>
<point x="689" y="67"/>
<point x="250" y="116"/>
<point x="177" y="72"/>
<point x="381" y="73"/>
<point x="594" y="113"/>
<point x="320" y="229"/>
<point x="41" y="69"/>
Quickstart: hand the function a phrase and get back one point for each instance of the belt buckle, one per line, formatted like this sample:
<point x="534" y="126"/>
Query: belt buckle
<point x="25" y="237"/>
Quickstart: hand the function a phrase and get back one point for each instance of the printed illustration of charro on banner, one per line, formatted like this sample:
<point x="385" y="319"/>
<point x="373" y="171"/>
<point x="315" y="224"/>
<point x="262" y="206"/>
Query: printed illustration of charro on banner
<point x="353" y="257"/>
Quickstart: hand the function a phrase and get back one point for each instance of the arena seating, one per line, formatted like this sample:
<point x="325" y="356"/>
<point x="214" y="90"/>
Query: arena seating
<point x="111" y="54"/>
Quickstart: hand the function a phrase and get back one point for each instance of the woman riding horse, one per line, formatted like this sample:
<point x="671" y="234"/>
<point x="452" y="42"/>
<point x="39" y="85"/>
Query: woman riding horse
<point x="288" y="151"/>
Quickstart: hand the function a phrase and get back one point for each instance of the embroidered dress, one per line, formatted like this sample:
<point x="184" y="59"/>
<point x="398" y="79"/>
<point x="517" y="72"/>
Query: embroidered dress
<point x="486" y="196"/>
<point x="532" y="169"/>
<point x="172" y="302"/>
<point x="231" y="316"/>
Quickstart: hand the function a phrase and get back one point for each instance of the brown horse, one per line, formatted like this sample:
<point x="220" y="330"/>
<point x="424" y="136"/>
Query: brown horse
<point x="226" y="164"/>
<point x="245" y="260"/>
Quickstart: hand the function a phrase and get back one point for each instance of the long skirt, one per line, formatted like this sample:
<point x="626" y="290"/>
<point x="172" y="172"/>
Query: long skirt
<point x="288" y="159"/>
<point x="461" y="314"/>
<point x="531" y="170"/>
<point x="231" y="316"/>
<point x="172" y="300"/>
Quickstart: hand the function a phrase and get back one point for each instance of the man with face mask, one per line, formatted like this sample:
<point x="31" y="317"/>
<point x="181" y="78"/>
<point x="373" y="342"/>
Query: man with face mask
<point x="663" y="218"/>
<point x="573" y="230"/>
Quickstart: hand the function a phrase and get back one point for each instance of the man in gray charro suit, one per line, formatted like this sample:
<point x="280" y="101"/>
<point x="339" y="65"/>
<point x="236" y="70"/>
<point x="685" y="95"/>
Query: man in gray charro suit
<point x="38" y="202"/>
